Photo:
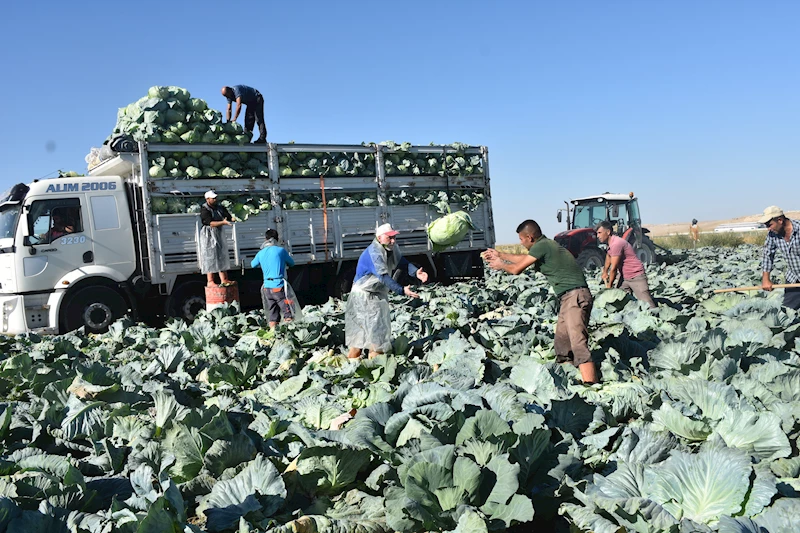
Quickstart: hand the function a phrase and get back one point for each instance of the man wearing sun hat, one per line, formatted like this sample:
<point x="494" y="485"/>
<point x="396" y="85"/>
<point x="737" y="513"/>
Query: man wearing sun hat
<point x="367" y="318"/>
<point x="212" y="250"/>
<point x="784" y="235"/>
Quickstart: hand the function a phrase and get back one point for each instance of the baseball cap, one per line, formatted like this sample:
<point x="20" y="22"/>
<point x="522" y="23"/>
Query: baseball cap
<point x="210" y="194"/>
<point x="771" y="212"/>
<point x="385" y="229"/>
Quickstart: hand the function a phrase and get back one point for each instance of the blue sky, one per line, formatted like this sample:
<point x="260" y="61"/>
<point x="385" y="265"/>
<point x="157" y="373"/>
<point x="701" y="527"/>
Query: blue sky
<point x="692" y="105"/>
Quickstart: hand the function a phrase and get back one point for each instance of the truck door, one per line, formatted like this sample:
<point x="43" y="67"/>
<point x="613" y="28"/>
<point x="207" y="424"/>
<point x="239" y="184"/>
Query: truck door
<point x="57" y="241"/>
<point x="112" y="236"/>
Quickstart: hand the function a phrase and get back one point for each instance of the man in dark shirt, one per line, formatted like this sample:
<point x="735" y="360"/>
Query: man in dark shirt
<point x="212" y="248"/>
<point x="252" y="99"/>
<point x="571" y="342"/>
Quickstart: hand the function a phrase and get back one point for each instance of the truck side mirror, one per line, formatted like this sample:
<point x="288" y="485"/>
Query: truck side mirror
<point x="558" y="216"/>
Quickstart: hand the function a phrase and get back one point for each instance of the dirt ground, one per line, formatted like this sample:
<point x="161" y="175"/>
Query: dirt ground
<point x="661" y="230"/>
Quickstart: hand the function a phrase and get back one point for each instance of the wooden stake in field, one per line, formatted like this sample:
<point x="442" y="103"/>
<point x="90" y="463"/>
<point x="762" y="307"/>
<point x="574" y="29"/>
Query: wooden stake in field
<point x="758" y="288"/>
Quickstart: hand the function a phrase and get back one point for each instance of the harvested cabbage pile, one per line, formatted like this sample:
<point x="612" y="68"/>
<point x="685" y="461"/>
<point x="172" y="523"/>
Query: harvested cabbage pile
<point x="240" y="207"/>
<point x="170" y="115"/>
<point x="196" y="165"/>
<point x="468" y="199"/>
<point x="399" y="161"/>
<point x="449" y="230"/>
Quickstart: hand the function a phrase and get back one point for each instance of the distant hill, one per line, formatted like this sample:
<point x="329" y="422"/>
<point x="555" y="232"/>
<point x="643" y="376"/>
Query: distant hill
<point x="661" y="230"/>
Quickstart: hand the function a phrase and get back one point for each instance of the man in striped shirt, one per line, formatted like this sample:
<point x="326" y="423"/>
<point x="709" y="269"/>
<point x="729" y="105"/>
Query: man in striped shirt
<point x="784" y="235"/>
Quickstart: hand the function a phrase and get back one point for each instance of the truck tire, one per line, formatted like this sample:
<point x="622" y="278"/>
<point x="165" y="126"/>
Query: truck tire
<point x="95" y="308"/>
<point x="186" y="300"/>
<point x="645" y="252"/>
<point x="591" y="258"/>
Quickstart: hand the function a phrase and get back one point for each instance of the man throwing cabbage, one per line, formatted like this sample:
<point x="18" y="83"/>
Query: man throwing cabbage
<point x="367" y="318"/>
<point x="571" y="341"/>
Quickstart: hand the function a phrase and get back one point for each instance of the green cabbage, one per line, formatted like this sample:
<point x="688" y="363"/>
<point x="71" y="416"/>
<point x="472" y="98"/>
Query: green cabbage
<point x="159" y="205"/>
<point x="157" y="172"/>
<point x="176" y="205"/>
<point x="449" y="230"/>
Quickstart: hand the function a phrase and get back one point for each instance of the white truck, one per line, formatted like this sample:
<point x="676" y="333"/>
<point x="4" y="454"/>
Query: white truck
<point x="120" y="256"/>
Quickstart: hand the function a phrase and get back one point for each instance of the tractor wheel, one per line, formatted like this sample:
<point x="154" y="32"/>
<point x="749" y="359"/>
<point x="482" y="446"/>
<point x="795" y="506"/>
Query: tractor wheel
<point x="645" y="253"/>
<point x="591" y="258"/>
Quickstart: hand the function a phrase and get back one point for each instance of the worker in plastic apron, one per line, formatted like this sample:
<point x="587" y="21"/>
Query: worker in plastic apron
<point x="367" y="317"/>
<point x="212" y="251"/>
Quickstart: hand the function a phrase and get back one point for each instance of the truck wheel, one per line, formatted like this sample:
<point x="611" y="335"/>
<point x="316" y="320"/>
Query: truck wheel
<point x="591" y="258"/>
<point x="95" y="308"/>
<point x="645" y="253"/>
<point x="187" y="300"/>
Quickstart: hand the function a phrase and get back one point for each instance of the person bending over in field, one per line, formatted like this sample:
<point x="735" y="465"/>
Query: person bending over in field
<point x="621" y="258"/>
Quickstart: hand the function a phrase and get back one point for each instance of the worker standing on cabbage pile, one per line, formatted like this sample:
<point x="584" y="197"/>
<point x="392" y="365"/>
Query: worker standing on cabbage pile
<point x="621" y="258"/>
<point x="252" y="99"/>
<point x="212" y="250"/>
<point x="571" y="341"/>
<point x="367" y="318"/>
<point x="273" y="260"/>
<point x="783" y="235"/>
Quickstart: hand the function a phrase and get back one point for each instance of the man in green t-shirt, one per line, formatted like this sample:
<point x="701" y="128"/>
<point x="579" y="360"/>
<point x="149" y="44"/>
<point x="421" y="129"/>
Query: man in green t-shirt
<point x="566" y="277"/>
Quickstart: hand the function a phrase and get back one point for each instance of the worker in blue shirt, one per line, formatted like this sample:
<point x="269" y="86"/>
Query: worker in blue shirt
<point x="367" y="316"/>
<point x="273" y="260"/>
<point x="252" y="99"/>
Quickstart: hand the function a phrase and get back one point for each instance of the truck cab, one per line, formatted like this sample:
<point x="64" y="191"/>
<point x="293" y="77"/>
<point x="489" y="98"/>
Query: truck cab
<point x="583" y="216"/>
<point x="66" y="253"/>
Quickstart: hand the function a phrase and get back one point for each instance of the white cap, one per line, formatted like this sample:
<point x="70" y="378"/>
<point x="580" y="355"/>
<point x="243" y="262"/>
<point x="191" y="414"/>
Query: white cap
<point x="210" y="194"/>
<point x="385" y="229"/>
<point x="771" y="212"/>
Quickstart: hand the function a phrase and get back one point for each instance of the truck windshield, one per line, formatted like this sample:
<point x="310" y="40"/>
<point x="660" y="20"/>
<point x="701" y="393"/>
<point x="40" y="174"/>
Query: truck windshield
<point x="8" y="220"/>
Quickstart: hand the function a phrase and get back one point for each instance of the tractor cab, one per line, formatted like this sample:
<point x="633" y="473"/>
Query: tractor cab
<point x="583" y="216"/>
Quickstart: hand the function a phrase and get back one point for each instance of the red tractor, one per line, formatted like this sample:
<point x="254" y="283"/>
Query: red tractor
<point x="622" y="210"/>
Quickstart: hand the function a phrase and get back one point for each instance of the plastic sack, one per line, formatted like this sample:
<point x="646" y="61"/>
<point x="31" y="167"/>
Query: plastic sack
<point x="292" y="302"/>
<point x="449" y="230"/>
<point x="212" y="251"/>
<point x="93" y="158"/>
<point x="368" y="322"/>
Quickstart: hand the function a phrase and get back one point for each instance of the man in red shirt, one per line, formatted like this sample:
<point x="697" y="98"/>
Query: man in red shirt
<point x="621" y="257"/>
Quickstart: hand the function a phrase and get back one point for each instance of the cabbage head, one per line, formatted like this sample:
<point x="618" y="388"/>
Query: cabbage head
<point x="170" y="137"/>
<point x="196" y="104"/>
<point x="159" y="205"/>
<point x="158" y="92"/>
<point x="192" y="137"/>
<point x="157" y="171"/>
<point x="176" y="205"/>
<point x="449" y="230"/>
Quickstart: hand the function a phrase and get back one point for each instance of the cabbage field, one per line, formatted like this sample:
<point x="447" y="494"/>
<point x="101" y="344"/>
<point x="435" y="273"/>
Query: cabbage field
<point x="470" y="426"/>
